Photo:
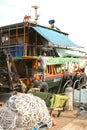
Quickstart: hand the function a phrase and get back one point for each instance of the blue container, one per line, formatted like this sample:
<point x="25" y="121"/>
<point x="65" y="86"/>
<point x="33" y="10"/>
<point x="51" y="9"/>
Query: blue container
<point x="43" y="126"/>
<point x="12" y="51"/>
<point x="19" y="51"/>
<point x="16" y="51"/>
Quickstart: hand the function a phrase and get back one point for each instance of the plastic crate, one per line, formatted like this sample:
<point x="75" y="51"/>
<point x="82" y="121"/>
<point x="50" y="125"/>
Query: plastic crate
<point x="17" y="51"/>
<point x="43" y="126"/>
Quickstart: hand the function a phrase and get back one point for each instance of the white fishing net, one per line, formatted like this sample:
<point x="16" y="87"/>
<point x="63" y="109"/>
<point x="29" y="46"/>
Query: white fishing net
<point x="23" y="112"/>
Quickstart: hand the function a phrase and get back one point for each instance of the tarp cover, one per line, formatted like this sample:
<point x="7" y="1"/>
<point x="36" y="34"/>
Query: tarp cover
<point x="70" y="53"/>
<point x="58" y="60"/>
<point x="52" y="100"/>
<point x="55" y="37"/>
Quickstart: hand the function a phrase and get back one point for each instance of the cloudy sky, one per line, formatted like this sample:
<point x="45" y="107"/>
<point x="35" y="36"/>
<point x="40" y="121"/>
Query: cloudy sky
<point x="70" y="15"/>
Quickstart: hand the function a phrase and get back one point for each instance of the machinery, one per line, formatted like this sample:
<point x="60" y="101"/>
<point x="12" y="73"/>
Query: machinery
<point x="9" y="81"/>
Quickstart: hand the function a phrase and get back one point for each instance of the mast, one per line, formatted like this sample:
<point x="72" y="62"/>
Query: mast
<point x="36" y="14"/>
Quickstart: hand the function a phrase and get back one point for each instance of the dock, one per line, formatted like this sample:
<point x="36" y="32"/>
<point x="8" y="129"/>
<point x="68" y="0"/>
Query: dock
<point x="71" y="120"/>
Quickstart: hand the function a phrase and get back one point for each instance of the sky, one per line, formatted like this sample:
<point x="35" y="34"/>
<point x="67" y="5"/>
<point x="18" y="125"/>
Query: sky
<point x="70" y="15"/>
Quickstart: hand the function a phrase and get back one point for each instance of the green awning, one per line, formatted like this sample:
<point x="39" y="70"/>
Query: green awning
<point x="58" y="60"/>
<point x="64" y="52"/>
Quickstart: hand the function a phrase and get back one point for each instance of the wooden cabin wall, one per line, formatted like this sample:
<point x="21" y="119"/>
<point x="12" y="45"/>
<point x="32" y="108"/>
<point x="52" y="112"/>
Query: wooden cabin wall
<point x="36" y="43"/>
<point x="20" y="34"/>
<point x="0" y="38"/>
<point x="10" y="36"/>
<point x="20" y="67"/>
<point x="14" y="35"/>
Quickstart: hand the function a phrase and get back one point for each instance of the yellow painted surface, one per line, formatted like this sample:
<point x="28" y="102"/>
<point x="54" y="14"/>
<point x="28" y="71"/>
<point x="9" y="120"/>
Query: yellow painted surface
<point x="29" y="57"/>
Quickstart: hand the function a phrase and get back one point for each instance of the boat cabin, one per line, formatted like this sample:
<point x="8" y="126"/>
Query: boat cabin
<point x="26" y="41"/>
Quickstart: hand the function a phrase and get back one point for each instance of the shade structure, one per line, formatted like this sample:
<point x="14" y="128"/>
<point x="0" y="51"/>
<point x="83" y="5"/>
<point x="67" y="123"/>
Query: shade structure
<point x="55" y="37"/>
<point x="59" y="60"/>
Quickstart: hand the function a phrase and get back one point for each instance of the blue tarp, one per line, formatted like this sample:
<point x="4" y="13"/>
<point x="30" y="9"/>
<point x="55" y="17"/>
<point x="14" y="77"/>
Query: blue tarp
<point x="55" y="37"/>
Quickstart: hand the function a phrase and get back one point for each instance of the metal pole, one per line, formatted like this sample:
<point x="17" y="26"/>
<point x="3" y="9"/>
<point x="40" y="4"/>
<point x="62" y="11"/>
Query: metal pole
<point x="79" y="97"/>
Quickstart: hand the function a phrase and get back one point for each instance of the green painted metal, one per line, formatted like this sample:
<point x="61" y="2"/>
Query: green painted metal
<point x="54" y="84"/>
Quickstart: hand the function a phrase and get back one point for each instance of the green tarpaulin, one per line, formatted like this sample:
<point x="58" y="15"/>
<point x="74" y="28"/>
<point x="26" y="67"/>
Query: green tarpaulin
<point x="58" y="60"/>
<point x="52" y="100"/>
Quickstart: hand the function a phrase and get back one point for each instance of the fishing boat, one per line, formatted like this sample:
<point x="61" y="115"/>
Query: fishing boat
<point x="27" y="40"/>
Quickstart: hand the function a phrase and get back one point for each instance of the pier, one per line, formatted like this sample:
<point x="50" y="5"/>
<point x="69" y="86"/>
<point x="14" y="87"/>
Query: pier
<point x="71" y="120"/>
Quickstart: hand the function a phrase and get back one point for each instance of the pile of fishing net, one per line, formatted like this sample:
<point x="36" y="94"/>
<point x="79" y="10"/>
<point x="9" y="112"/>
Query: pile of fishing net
<point x="22" y="112"/>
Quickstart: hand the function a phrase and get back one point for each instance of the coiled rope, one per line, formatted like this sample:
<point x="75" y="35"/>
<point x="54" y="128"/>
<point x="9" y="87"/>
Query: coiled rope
<point x="23" y="111"/>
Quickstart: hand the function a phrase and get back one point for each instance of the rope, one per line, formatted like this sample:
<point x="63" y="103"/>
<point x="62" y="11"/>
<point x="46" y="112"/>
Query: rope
<point x="23" y="111"/>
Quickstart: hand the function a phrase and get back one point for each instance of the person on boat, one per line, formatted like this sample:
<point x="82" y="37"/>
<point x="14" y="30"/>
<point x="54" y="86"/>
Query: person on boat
<point x="42" y="66"/>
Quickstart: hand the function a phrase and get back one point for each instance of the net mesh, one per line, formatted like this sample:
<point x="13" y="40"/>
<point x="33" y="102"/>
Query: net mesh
<point x="22" y="112"/>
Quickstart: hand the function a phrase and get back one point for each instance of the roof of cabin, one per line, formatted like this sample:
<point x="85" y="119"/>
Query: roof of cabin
<point x="53" y="35"/>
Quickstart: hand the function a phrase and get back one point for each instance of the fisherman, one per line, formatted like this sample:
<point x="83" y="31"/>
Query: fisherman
<point x="42" y="67"/>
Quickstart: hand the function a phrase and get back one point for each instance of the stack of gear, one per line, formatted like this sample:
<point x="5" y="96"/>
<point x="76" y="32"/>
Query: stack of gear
<point x="23" y="111"/>
<point x="52" y="100"/>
